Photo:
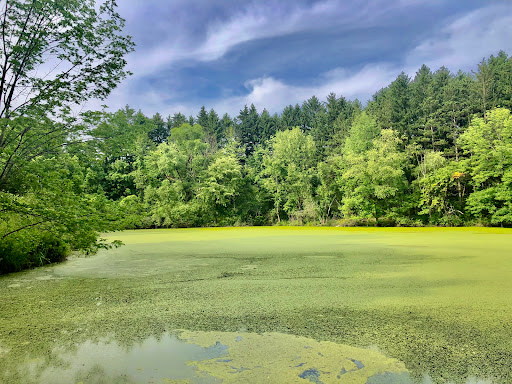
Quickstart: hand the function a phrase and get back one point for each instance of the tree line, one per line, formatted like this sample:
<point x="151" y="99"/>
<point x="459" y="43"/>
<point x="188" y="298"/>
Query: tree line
<point x="434" y="149"/>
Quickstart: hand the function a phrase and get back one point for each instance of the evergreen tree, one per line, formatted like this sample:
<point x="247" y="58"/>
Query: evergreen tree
<point x="213" y="126"/>
<point x="177" y="120"/>
<point x="161" y="132"/>
<point x="248" y="129"/>
<point x="399" y="97"/>
<point x="267" y="127"/>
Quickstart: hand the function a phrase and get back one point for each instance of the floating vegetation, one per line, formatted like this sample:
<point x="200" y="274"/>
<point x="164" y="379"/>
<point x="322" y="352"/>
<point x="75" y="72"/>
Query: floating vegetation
<point x="435" y="302"/>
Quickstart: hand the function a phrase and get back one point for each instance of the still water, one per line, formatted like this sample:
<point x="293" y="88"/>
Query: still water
<point x="213" y="357"/>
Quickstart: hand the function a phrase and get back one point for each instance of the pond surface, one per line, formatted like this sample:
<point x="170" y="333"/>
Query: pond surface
<point x="214" y="357"/>
<point x="304" y="305"/>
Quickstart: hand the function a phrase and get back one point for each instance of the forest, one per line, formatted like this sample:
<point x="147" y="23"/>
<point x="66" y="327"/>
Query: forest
<point x="434" y="149"/>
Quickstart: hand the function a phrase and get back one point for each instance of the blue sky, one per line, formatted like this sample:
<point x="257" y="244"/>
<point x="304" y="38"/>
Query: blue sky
<point x="224" y="54"/>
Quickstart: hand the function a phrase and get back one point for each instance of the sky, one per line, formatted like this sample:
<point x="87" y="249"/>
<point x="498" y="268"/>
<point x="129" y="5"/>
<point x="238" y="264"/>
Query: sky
<point x="225" y="54"/>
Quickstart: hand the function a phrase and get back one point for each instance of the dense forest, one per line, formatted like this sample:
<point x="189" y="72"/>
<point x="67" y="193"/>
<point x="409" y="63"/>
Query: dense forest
<point x="435" y="149"/>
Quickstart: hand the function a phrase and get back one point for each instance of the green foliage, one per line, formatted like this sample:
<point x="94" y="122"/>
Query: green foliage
<point x="83" y="45"/>
<point x="221" y="181"/>
<point x="328" y="195"/>
<point x="439" y="188"/>
<point x="364" y="129"/>
<point x="81" y="36"/>
<point x="46" y="208"/>
<point x="52" y="215"/>
<point x="172" y="176"/>
<point x="374" y="179"/>
<point x="186" y="132"/>
<point x="490" y="144"/>
<point x="287" y="174"/>
<point x="30" y="249"/>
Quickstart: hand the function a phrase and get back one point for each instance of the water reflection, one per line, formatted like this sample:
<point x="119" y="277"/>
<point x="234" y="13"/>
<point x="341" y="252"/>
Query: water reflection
<point x="210" y="357"/>
<point x="151" y="361"/>
<point x="213" y="357"/>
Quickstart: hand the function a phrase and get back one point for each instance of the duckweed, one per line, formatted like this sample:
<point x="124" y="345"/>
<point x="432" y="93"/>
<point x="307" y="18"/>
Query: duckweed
<point x="435" y="301"/>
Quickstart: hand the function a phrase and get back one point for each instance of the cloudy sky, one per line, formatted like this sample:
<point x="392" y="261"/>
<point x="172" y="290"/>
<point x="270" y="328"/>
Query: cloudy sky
<point x="224" y="54"/>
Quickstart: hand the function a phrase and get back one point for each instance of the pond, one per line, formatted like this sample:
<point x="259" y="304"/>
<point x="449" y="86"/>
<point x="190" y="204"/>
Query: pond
<point x="283" y="304"/>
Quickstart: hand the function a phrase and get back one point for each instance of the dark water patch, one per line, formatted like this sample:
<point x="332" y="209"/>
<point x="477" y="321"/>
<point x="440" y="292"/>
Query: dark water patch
<point x="239" y="370"/>
<point x="358" y="364"/>
<point x="312" y="375"/>
<point x="225" y="275"/>
<point x="342" y="372"/>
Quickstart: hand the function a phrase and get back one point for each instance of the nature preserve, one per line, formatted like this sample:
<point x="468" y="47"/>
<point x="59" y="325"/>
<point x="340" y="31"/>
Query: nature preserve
<point x="312" y="191"/>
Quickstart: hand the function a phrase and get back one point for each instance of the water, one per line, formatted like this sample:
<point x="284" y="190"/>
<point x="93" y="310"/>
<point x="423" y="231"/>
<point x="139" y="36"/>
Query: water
<point x="150" y="361"/>
<point x="211" y="357"/>
<point x="207" y="357"/>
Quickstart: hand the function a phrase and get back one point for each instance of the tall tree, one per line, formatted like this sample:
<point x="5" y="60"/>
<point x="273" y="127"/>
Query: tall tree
<point x="249" y="128"/>
<point x="399" y="94"/>
<point x="54" y="54"/>
<point x="374" y="179"/>
<point x="202" y="117"/>
<point x="310" y="109"/>
<point x="484" y="78"/>
<point x="502" y="76"/>
<point x="287" y="174"/>
<point x="161" y="131"/>
<point x="290" y="118"/>
<point x="226" y="129"/>
<point x="213" y="126"/>
<point x="490" y="144"/>
<point x="177" y="120"/>
<point x="267" y="126"/>
<point x="362" y="133"/>
<point x="420" y="107"/>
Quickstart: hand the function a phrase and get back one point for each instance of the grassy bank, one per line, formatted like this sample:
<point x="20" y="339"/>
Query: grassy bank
<point x="436" y="299"/>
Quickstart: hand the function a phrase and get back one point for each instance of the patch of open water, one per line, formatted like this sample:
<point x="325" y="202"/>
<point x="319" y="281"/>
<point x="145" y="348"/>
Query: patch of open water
<point x="215" y="357"/>
<point x="166" y="359"/>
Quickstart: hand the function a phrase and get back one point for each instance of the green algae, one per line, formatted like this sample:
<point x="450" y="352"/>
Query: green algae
<point x="209" y="357"/>
<point x="436" y="299"/>
<point x="275" y="357"/>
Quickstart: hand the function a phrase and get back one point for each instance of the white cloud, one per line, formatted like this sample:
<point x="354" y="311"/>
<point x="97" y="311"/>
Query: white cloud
<point x="265" y="92"/>
<point x="257" y="22"/>
<point x="274" y="94"/>
<point x="466" y="41"/>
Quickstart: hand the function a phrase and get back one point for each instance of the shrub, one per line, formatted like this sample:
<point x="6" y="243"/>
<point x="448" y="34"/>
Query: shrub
<point x="30" y="249"/>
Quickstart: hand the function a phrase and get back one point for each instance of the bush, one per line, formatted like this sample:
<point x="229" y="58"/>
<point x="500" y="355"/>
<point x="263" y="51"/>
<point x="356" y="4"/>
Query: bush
<point x="49" y="250"/>
<point x="30" y="249"/>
